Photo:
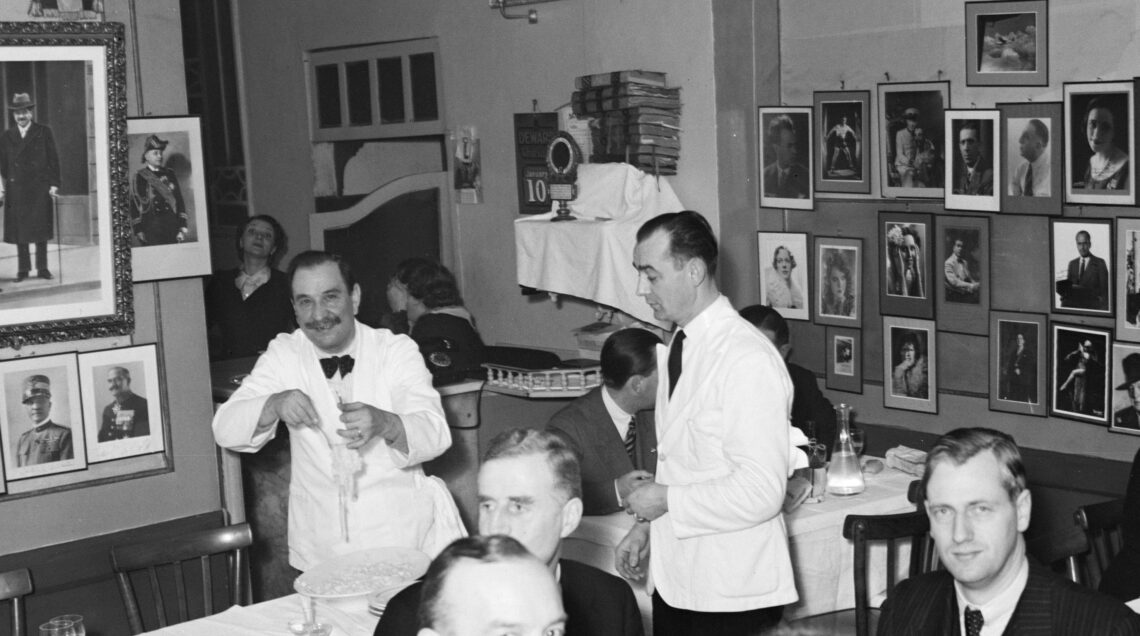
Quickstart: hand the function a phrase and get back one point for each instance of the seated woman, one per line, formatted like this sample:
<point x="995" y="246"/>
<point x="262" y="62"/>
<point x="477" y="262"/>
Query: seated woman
<point x="437" y="320"/>
<point x="248" y="306"/>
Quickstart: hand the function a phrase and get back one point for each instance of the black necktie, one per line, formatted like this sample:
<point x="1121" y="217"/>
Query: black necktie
<point x="1081" y="271"/>
<point x="331" y="364"/>
<point x="1029" y="181"/>
<point x="631" y="440"/>
<point x="974" y="622"/>
<point x="675" y="360"/>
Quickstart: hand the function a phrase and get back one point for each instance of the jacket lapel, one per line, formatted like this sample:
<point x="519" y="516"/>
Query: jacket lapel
<point x="1034" y="612"/>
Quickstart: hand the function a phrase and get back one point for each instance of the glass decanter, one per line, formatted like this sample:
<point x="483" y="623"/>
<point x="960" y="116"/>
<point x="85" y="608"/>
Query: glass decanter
<point x="844" y="475"/>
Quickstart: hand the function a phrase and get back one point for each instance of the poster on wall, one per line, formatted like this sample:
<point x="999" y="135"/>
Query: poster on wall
<point x="533" y="133"/>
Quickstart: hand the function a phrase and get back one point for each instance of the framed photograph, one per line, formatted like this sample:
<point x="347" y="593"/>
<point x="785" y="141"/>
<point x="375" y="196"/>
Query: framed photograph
<point x="1128" y="282"/>
<point x="169" y="233"/>
<point x="65" y="84"/>
<point x="905" y="281"/>
<point x="1080" y="373"/>
<point x="970" y="172"/>
<point x="1017" y="363"/>
<point x="42" y="431"/>
<point x="1082" y="266"/>
<point x="844" y="359"/>
<point x="843" y="140"/>
<point x="839" y="281"/>
<point x="784" y="275"/>
<point x="121" y="403"/>
<point x="1126" y="389"/>
<point x="911" y="123"/>
<point x="1007" y="43"/>
<point x="1100" y="118"/>
<point x="1031" y="157"/>
<point x="786" y="156"/>
<point x="910" y="365"/>
<point x="962" y="246"/>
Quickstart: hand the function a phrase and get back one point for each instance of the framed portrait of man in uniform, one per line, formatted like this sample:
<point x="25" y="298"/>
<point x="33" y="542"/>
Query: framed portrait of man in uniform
<point x="911" y="124"/>
<point x="121" y="402"/>
<point x="41" y="431"/>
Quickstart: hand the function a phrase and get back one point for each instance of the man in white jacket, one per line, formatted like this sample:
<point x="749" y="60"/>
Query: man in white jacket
<point x="719" y="562"/>
<point x="338" y="383"/>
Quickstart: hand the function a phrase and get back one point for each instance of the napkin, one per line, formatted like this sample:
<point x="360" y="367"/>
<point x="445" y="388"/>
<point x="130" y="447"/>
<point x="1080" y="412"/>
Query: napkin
<point x="909" y="460"/>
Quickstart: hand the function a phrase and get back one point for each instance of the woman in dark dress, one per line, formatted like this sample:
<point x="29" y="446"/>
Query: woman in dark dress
<point x="248" y="306"/>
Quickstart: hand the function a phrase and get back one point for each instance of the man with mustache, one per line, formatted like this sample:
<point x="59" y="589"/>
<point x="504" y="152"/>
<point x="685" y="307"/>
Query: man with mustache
<point x="339" y="384"/>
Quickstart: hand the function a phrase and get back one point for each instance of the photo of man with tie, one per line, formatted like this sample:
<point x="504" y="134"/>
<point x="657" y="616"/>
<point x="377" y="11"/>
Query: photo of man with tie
<point x="1031" y="177"/>
<point x="784" y="176"/>
<point x="1084" y="284"/>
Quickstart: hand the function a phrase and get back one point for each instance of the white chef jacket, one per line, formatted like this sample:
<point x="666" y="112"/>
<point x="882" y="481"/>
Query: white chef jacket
<point x="396" y="503"/>
<point x="723" y="450"/>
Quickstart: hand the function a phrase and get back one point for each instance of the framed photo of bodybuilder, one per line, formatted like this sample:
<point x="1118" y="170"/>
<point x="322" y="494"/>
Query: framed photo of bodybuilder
<point x="1017" y="363"/>
<point x="910" y="364"/>
<point x="962" y="257"/>
<point x="1031" y="158"/>
<point x="170" y="236"/>
<point x="911" y="126"/>
<point x="67" y="272"/>
<point x="843" y="141"/>
<point x="786" y="155"/>
<point x="1080" y="373"/>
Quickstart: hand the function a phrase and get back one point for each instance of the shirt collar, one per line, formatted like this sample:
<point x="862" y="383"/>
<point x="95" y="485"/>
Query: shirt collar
<point x="997" y="612"/>
<point x="620" y="418"/>
<point x="703" y="322"/>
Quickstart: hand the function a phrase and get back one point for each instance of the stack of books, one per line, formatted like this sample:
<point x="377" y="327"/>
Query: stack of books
<point x="637" y="118"/>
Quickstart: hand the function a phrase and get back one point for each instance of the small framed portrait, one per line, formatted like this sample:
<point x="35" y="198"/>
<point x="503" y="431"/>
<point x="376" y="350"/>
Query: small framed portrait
<point x="843" y="141"/>
<point x="786" y="156"/>
<point x="1080" y="373"/>
<point x="121" y="403"/>
<point x="1082" y="266"/>
<point x="784" y="275"/>
<point x="844" y="359"/>
<point x="910" y="364"/>
<point x="905" y="281"/>
<point x="962" y="247"/>
<point x="1125" y="389"/>
<point x="170" y="237"/>
<point x="1100" y="118"/>
<point x="1128" y="282"/>
<point x="970" y="171"/>
<point x="1007" y="43"/>
<point x="839" y="281"/>
<point x="1017" y="363"/>
<point x="1031" y="158"/>
<point x="911" y="125"/>
<point x="42" y="428"/>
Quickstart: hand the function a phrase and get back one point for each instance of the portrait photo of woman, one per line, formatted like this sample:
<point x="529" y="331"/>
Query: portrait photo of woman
<point x="783" y="265"/>
<point x="837" y="282"/>
<point x="1098" y="155"/>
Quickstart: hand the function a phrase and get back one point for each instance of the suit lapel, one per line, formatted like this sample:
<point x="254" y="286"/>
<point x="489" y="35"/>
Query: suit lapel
<point x="1034" y="613"/>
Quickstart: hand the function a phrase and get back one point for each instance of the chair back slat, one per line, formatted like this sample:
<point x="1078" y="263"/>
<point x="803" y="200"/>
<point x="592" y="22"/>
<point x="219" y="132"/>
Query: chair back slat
<point x="1101" y="525"/>
<point x="896" y="530"/>
<point x="168" y="555"/>
<point x="14" y="586"/>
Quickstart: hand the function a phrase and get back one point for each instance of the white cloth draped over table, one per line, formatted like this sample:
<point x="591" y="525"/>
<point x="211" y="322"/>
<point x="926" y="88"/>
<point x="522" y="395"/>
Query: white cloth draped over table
<point x="591" y="258"/>
<point x="271" y="618"/>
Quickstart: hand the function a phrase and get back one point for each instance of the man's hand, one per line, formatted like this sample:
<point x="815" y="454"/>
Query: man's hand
<point x="292" y="407"/>
<point x="631" y="481"/>
<point x="631" y="556"/>
<point x="363" y="421"/>
<point x="648" y="502"/>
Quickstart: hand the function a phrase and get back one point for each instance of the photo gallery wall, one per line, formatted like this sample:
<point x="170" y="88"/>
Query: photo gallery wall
<point x="1028" y="158"/>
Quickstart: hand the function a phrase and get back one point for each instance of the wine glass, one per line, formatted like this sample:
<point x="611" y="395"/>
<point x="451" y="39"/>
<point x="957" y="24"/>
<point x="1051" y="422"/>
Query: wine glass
<point x="57" y="627"/>
<point x="858" y="439"/>
<point x="76" y="623"/>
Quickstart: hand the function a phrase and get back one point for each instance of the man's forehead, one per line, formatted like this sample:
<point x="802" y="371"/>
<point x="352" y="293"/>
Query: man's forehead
<point x="317" y="279"/>
<point x="520" y="475"/>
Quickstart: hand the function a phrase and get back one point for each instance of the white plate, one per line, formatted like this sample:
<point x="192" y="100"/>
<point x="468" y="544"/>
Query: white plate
<point x="363" y="572"/>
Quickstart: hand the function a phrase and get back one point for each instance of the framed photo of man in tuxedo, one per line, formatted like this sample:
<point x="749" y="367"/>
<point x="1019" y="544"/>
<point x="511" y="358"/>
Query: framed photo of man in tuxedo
<point x="1082" y="266"/>
<point x="1017" y="363"/>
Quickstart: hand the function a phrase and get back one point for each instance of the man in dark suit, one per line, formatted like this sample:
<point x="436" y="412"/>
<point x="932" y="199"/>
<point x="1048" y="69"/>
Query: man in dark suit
<point x="29" y="165"/>
<point x="612" y="426"/>
<point x="530" y="489"/>
<point x="784" y="176"/>
<point x="974" y="174"/>
<point x="1086" y="286"/>
<point x="1129" y="416"/>
<point x="979" y="506"/>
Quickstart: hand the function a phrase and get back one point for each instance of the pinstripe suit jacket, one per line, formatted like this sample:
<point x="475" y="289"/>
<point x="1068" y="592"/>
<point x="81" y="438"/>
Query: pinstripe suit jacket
<point x="587" y="424"/>
<point x="1050" y="604"/>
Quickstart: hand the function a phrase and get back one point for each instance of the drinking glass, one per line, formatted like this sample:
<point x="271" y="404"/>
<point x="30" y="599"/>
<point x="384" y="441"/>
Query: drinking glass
<point x="76" y="622"/>
<point x="858" y="438"/>
<point x="817" y="463"/>
<point x="57" y="627"/>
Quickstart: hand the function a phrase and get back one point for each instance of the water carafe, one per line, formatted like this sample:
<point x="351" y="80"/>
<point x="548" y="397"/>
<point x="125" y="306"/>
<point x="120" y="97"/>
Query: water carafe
<point x="844" y="476"/>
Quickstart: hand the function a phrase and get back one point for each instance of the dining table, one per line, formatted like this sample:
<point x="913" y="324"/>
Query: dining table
<point x="272" y="618"/>
<point x="822" y="560"/>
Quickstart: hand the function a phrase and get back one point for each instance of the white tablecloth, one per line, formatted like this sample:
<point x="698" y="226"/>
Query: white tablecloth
<point x="821" y="558"/>
<point x="271" y="618"/>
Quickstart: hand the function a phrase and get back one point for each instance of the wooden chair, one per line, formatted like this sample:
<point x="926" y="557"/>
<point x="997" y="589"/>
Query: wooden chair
<point x="1101" y="524"/>
<point x="894" y="530"/>
<point x="14" y="586"/>
<point x="162" y="561"/>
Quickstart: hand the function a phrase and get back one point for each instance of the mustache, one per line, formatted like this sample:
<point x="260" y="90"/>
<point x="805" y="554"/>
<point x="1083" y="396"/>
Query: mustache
<point x="323" y="323"/>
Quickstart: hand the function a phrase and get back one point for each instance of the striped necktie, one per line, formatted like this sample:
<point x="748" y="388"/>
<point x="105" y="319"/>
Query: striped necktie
<point x="631" y="440"/>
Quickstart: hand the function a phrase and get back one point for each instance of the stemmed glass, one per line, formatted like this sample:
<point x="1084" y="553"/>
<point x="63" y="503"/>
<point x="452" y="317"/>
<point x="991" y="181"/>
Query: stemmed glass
<point x="57" y="627"/>
<point x="817" y="462"/>
<point x="76" y="623"/>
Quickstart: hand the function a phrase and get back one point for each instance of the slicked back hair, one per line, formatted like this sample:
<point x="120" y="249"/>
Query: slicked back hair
<point x="765" y="318"/>
<point x="490" y="549"/>
<point x="626" y="353"/>
<point x="690" y="236"/>
<point x="560" y="456"/>
<point x="314" y="258"/>
<point x="961" y="445"/>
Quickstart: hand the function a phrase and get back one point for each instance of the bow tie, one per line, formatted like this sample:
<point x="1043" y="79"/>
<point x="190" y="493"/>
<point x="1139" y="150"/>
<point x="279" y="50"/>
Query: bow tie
<point x="331" y="364"/>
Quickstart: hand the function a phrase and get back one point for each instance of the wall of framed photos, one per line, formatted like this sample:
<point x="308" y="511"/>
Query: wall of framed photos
<point x="872" y="43"/>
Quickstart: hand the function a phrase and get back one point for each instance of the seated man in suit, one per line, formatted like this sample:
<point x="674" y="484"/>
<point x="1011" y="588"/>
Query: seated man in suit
<point x="808" y="403"/>
<point x="530" y="489"/>
<point x="978" y="504"/>
<point x="479" y="583"/>
<point x="611" y="427"/>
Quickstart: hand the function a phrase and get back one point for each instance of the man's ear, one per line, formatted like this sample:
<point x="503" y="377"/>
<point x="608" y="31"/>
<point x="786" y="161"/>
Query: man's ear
<point x="1024" y="505"/>
<point x="571" y="515"/>
<point x="697" y="271"/>
<point x="355" y="298"/>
